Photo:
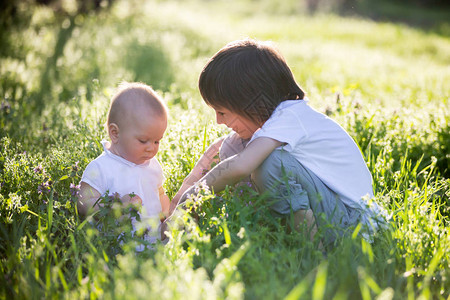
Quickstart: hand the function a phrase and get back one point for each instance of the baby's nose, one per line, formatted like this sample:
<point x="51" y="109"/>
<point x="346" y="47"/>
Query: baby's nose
<point x="150" y="147"/>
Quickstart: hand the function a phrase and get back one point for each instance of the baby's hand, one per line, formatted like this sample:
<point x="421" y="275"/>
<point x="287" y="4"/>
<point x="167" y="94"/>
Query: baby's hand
<point x="132" y="199"/>
<point x="163" y="229"/>
<point x="136" y="200"/>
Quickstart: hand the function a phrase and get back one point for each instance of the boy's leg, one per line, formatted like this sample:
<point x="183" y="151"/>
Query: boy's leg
<point x="294" y="188"/>
<point x="300" y="217"/>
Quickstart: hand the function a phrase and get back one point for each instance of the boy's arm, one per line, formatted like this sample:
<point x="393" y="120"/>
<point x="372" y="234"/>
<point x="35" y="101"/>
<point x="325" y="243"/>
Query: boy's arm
<point x="203" y="164"/>
<point x="236" y="167"/>
<point x="87" y="198"/>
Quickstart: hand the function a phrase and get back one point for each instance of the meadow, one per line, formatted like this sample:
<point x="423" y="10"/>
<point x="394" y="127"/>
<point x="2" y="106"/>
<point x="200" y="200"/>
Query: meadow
<point x="385" y="82"/>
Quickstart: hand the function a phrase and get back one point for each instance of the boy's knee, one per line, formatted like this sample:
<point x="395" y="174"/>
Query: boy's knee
<point x="273" y="176"/>
<point x="232" y="145"/>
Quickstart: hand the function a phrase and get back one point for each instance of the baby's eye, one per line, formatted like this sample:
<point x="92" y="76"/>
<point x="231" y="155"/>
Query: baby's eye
<point x="157" y="142"/>
<point x="142" y="141"/>
<point x="221" y="114"/>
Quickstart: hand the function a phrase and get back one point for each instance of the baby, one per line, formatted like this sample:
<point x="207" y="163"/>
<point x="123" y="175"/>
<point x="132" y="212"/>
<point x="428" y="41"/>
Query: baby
<point x="128" y="168"/>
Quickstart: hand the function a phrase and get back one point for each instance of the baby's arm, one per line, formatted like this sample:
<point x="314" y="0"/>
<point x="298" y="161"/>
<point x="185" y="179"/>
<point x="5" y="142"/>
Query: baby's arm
<point x="165" y="202"/>
<point x="238" y="166"/>
<point x="203" y="164"/>
<point x="87" y="198"/>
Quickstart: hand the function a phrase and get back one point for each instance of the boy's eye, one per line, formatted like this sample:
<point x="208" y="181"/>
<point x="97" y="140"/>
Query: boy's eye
<point x="221" y="114"/>
<point x="157" y="142"/>
<point x="142" y="141"/>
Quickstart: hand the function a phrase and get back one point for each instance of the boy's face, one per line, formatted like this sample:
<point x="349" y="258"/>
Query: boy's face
<point x="244" y="127"/>
<point x="138" y="140"/>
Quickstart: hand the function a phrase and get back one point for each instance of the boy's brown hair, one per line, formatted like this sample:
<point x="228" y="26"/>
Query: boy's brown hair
<point x="249" y="78"/>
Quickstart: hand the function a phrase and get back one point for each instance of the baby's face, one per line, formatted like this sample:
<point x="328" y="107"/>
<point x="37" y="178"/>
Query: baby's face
<point x="138" y="141"/>
<point x="244" y="127"/>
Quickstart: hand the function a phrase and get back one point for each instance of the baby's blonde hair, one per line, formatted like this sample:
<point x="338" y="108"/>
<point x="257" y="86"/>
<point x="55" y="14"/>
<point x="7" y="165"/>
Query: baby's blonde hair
<point x="131" y="95"/>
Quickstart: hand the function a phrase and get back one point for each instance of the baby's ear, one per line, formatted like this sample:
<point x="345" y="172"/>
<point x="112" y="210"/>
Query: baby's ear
<point x="113" y="131"/>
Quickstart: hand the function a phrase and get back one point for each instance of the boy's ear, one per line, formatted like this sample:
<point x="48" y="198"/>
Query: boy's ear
<point x="113" y="131"/>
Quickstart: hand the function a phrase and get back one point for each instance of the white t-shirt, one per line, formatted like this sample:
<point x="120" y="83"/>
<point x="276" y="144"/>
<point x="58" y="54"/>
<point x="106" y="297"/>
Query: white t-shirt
<point x="114" y="174"/>
<point x="322" y="146"/>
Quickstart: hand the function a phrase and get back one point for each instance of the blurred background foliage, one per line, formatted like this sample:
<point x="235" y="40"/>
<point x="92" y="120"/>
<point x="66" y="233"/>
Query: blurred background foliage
<point x="59" y="52"/>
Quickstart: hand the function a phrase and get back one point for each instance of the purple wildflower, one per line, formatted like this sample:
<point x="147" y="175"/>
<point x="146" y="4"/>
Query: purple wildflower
<point x="74" y="189"/>
<point x="75" y="166"/>
<point x="38" y="170"/>
<point x="43" y="188"/>
<point x="5" y="106"/>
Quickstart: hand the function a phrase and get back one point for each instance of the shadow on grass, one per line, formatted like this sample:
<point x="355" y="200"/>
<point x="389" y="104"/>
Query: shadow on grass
<point x="430" y="16"/>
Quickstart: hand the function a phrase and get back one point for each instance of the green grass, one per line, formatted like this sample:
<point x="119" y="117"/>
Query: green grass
<point x="385" y="83"/>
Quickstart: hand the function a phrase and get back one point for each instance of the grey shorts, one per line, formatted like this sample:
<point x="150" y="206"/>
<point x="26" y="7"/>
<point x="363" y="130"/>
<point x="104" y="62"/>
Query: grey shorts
<point x="293" y="187"/>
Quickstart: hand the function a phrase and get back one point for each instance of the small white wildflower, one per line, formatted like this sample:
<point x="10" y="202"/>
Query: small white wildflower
<point x="241" y="233"/>
<point x="433" y="160"/>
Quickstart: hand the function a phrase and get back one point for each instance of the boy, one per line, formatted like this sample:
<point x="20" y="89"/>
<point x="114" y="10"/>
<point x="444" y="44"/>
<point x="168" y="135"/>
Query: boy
<point x="308" y="163"/>
<point x="137" y="120"/>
